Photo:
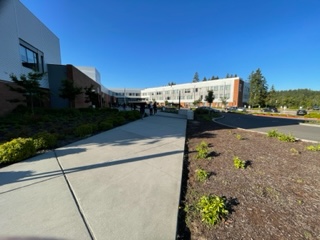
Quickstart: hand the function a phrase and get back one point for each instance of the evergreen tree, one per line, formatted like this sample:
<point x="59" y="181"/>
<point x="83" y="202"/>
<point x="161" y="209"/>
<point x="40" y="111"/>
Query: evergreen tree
<point x="29" y="87"/>
<point x="271" y="97"/>
<point x="258" y="89"/>
<point x="69" y="91"/>
<point x="204" y="79"/>
<point x="196" y="77"/>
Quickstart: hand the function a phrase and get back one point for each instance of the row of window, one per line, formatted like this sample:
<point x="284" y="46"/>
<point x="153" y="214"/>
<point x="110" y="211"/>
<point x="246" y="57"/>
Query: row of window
<point x="126" y="94"/>
<point x="189" y="97"/>
<point x="194" y="90"/>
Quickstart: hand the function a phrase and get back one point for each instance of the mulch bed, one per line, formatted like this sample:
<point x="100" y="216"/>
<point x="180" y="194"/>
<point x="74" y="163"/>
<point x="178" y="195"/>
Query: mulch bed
<point x="276" y="197"/>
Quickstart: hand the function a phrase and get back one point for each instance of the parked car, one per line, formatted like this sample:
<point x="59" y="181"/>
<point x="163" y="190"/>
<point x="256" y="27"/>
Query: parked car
<point x="270" y="109"/>
<point x="301" y="112"/>
<point x="241" y="109"/>
<point x="316" y="108"/>
<point x="231" y="109"/>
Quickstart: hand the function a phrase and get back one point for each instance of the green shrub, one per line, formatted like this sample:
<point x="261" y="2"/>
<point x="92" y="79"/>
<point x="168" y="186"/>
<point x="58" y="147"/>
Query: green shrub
<point x="16" y="150"/>
<point x="239" y="137"/>
<point x="201" y="175"/>
<point x="44" y="140"/>
<point x="118" y="120"/>
<point x="212" y="209"/>
<point x="313" y="148"/>
<point x="312" y="115"/>
<point x="286" y="138"/>
<point x="272" y="133"/>
<point x="84" y="130"/>
<point x="281" y="136"/>
<point x="238" y="163"/>
<point x="202" y="150"/>
<point x="105" y="125"/>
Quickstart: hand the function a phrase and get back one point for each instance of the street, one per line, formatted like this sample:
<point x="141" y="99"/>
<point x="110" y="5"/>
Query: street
<point x="265" y="124"/>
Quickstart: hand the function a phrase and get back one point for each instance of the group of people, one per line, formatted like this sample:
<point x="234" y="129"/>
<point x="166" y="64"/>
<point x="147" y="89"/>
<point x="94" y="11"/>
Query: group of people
<point x="151" y="106"/>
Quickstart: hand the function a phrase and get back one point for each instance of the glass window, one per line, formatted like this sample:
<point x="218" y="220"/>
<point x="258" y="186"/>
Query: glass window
<point x="31" y="57"/>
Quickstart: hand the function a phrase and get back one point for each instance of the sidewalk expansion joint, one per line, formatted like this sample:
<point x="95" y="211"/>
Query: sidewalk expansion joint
<point x="74" y="198"/>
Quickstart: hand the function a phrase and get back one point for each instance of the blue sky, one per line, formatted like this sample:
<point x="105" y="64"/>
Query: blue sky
<point x="148" y="43"/>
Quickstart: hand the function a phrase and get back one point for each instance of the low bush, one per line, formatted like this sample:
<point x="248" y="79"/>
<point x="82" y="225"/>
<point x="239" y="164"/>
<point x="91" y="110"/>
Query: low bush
<point x="16" y="150"/>
<point x="212" y="209"/>
<point x="239" y="137"/>
<point x="118" y="120"/>
<point x="105" y="125"/>
<point x="272" y="133"/>
<point x="84" y="130"/>
<point x="202" y="150"/>
<point x="281" y="136"/>
<point x="238" y="163"/>
<point x="45" y="140"/>
<point x="201" y="175"/>
<point x="313" y="148"/>
<point x="312" y="115"/>
<point x="286" y="138"/>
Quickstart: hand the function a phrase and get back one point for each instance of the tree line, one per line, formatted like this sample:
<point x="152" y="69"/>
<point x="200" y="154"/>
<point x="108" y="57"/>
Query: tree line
<point x="261" y="96"/>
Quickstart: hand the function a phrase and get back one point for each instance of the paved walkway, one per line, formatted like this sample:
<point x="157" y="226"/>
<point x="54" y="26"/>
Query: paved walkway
<point x="119" y="184"/>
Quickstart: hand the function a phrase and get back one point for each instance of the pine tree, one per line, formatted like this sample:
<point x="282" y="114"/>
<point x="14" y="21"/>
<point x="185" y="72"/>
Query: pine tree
<point x="258" y="89"/>
<point x="196" y="77"/>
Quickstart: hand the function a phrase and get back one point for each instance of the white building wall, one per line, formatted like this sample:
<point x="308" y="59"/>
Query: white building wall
<point x="189" y="92"/>
<point x="17" y="22"/>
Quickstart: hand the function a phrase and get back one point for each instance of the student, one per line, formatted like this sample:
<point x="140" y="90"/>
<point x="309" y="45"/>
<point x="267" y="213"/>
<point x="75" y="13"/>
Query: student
<point x="142" y="110"/>
<point x="155" y="107"/>
<point x="150" y="108"/>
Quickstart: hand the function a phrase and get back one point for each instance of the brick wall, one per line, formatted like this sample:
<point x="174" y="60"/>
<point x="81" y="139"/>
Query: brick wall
<point x="6" y="94"/>
<point x="82" y="80"/>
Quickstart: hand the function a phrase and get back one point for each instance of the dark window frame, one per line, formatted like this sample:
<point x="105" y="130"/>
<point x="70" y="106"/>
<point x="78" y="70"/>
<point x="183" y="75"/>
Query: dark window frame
<point x="32" y="58"/>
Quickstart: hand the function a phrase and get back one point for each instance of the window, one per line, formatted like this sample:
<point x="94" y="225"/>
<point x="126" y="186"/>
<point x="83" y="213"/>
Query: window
<point x="31" y="57"/>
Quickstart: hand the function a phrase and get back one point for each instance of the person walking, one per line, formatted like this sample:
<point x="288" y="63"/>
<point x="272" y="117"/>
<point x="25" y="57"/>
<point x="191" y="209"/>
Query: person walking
<point x="155" y="107"/>
<point x="142" y="110"/>
<point x="150" y="108"/>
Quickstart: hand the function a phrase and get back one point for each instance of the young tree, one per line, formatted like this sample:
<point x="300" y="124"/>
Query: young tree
<point x="29" y="87"/>
<point x="195" y="77"/>
<point x="69" y="91"/>
<point x="258" y="88"/>
<point x="224" y="102"/>
<point x="197" y="102"/>
<point x="91" y="95"/>
<point x="210" y="97"/>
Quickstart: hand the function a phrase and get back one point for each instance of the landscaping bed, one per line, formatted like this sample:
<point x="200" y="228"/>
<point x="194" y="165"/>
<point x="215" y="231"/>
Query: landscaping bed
<point x="277" y="195"/>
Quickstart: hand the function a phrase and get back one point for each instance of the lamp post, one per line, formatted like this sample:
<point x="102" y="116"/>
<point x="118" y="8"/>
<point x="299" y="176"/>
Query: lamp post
<point x="179" y="100"/>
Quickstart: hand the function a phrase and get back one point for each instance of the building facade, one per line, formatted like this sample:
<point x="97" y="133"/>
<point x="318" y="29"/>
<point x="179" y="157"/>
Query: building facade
<point x="233" y="91"/>
<point x="26" y="45"/>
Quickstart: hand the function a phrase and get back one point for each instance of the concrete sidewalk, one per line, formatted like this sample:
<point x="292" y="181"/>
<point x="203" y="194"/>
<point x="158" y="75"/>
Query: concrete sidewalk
<point x="120" y="184"/>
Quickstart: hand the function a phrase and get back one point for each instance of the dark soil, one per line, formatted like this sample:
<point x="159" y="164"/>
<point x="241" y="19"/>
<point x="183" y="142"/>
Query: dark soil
<point x="277" y="196"/>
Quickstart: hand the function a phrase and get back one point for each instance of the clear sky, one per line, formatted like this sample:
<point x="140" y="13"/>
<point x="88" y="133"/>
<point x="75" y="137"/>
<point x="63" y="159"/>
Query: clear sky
<point x="148" y="43"/>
